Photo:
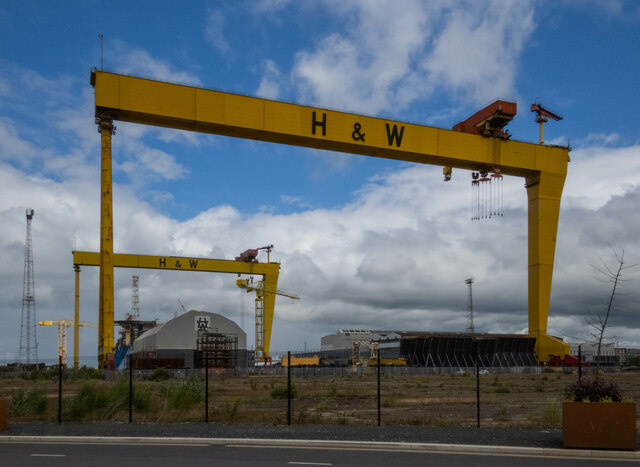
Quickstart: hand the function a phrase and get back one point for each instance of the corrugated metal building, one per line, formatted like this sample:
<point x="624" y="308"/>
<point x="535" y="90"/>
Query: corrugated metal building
<point x="185" y="342"/>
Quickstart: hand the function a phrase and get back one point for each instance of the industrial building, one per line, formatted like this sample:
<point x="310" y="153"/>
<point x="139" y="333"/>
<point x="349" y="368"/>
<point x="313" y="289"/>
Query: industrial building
<point x="192" y="340"/>
<point x="431" y="349"/>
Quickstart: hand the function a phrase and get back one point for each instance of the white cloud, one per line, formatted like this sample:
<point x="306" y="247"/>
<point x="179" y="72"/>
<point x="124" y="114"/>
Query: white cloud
<point x="214" y="32"/>
<point x="396" y="257"/>
<point x="270" y="83"/>
<point x="134" y="61"/>
<point x="390" y="57"/>
<point x="149" y="162"/>
<point x="595" y="176"/>
<point x="598" y="139"/>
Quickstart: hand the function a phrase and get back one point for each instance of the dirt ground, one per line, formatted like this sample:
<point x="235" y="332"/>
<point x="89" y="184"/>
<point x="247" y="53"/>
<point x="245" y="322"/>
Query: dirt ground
<point x="512" y="400"/>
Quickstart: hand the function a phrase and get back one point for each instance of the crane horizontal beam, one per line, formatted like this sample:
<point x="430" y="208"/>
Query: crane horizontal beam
<point x="67" y="323"/>
<point x="178" y="263"/>
<point x="138" y="100"/>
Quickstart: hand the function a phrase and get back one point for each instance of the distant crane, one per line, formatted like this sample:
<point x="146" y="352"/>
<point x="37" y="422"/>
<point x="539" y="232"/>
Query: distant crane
<point x="543" y="116"/>
<point x="135" y="298"/>
<point x="470" y="327"/>
<point x="63" y="324"/>
<point x="259" y="289"/>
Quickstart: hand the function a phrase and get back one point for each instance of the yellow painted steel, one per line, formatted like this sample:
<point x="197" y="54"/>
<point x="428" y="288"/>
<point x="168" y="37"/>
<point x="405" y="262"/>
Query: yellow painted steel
<point x="63" y="324"/>
<point x="544" y="167"/>
<point x="76" y="326"/>
<point x="105" y="320"/>
<point x="269" y="272"/>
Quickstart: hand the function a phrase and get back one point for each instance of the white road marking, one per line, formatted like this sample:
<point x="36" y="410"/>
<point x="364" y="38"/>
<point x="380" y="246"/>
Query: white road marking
<point x="48" y="455"/>
<point x="309" y="463"/>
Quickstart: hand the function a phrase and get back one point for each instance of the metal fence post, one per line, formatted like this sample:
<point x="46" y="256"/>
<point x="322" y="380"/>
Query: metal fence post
<point x="206" y="387"/>
<point x="130" y="388"/>
<point x="288" y="387"/>
<point x="580" y="362"/>
<point x="59" y="388"/>
<point x="478" y="388"/>
<point x="378" y="387"/>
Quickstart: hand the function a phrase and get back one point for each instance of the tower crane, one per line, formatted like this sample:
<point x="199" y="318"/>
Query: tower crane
<point x="261" y="291"/>
<point x="543" y="116"/>
<point x="63" y="324"/>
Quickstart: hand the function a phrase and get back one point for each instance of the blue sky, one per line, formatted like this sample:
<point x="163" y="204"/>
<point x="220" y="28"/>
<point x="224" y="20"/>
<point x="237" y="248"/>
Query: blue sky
<point x="366" y="242"/>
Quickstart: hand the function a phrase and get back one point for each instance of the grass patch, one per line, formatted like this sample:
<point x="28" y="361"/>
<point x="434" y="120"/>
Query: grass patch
<point x="28" y="401"/>
<point x="186" y="393"/>
<point x="281" y="392"/>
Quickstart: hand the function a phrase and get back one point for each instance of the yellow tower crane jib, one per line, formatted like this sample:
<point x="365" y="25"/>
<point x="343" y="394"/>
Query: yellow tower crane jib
<point x="63" y="324"/>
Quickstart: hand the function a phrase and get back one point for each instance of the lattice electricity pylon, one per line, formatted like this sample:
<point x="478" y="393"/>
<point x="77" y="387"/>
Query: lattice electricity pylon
<point x="470" y="327"/>
<point x="28" y="342"/>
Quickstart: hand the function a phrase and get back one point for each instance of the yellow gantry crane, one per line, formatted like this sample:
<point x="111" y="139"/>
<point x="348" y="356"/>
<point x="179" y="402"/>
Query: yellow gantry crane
<point x="148" y="102"/>
<point x="63" y="324"/>
<point x="245" y="264"/>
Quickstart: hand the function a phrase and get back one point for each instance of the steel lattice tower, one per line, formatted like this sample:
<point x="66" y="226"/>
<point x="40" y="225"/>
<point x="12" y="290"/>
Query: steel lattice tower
<point x="135" y="299"/>
<point x="28" y="342"/>
<point x="470" y="327"/>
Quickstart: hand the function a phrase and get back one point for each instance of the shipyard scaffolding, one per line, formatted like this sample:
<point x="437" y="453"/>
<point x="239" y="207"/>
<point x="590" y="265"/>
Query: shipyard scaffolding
<point x="216" y="350"/>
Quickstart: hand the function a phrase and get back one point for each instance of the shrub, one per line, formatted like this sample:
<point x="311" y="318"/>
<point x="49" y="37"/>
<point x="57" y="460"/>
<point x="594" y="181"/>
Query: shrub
<point x="26" y="401"/>
<point x="160" y="374"/>
<point x="89" y="398"/>
<point x="87" y="373"/>
<point x="281" y="392"/>
<point x="186" y="393"/>
<point x="594" y="390"/>
<point x="119" y="397"/>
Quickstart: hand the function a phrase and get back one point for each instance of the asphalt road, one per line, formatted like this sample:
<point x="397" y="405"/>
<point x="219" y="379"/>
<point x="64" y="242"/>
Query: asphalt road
<point x="489" y="436"/>
<point x="136" y="454"/>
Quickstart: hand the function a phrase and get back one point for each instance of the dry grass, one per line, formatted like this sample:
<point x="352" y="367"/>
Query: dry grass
<point x="524" y="400"/>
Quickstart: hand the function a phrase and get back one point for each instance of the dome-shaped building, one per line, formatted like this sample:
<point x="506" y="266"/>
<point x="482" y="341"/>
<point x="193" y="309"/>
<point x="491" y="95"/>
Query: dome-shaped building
<point x="191" y="339"/>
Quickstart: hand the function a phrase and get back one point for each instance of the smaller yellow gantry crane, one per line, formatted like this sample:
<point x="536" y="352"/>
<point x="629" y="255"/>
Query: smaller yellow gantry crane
<point x="63" y="324"/>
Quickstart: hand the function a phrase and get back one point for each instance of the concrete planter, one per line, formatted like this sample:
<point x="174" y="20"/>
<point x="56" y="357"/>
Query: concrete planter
<point x="599" y="425"/>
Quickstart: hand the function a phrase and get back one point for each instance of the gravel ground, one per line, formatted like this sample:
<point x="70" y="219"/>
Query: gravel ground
<point x="441" y="435"/>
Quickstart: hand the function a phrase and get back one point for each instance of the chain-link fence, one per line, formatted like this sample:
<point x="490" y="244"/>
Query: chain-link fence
<point x="528" y="396"/>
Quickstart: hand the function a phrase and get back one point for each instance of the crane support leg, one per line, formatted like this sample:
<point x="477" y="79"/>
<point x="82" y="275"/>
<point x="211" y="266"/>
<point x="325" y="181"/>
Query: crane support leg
<point x="270" y="283"/>
<point x="106" y="329"/>
<point x="543" y="193"/>
<point x="76" y="323"/>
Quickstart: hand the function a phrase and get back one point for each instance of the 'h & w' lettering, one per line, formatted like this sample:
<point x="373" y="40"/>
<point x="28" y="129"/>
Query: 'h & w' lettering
<point x="394" y="135"/>
<point x="193" y="263"/>
<point x="163" y="263"/>
<point x="315" y="123"/>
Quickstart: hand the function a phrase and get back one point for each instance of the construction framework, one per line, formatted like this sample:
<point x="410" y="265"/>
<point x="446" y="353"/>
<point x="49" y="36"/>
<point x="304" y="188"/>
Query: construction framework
<point x="149" y="102"/>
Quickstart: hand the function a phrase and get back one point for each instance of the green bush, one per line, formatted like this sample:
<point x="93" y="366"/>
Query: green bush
<point x="160" y="374"/>
<point x="119" y="396"/>
<point x="89" y="398"/>
<point x="281" y="392"/>
<point x="25" y="401"/>
<point x="186" y="393"/>
<point x="86" y="373"/>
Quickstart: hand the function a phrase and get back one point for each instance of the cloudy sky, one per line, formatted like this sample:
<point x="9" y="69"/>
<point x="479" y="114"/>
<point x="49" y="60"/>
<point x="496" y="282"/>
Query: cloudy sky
<point x="366" y="243"/>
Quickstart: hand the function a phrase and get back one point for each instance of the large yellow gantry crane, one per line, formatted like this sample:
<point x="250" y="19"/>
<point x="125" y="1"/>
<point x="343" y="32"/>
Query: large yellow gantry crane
<point x="149" y="102"/>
